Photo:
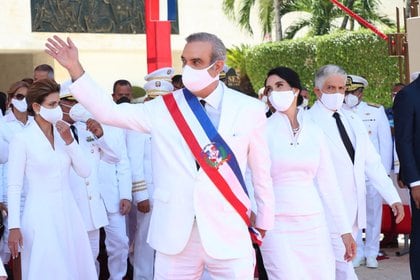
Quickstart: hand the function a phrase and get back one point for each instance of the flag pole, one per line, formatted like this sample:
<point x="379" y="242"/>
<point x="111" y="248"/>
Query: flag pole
<point x="158" y="37"/>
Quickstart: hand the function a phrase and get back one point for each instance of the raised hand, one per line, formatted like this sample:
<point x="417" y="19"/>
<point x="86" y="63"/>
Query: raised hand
<point x="66" y="54"/>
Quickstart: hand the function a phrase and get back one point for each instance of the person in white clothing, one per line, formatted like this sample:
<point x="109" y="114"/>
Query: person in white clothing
<point x="193" y="223"/>
<point x="354" y="154"/>
<point x="96" y="144"/>
<point x="15" y="121"/>
<point x="115" y="188"/>
<point x="376" y="123"/>
<point x="300" y="157"/>
<point x="44" y="152"/>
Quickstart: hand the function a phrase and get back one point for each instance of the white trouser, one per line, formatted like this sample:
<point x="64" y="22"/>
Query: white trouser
<point x="370" y="248"/>
<point x="116" y="242"/>
<point x="144" y="255"/>
<point x="94" y="245"/>
<point x="189" y="264"/>
<point x="343" y="270"/>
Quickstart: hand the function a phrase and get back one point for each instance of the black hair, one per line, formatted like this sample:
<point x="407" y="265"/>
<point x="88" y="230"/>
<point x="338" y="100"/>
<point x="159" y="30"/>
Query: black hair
<point x="290" y="76"/>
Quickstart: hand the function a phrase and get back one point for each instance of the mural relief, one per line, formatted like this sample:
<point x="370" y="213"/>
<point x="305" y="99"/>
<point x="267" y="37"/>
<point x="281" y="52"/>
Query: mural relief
<point x="90" y="16"/>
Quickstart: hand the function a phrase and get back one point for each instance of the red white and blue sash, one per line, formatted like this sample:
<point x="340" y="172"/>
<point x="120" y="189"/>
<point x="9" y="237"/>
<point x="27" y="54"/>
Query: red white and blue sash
<point x="212" y="153"/>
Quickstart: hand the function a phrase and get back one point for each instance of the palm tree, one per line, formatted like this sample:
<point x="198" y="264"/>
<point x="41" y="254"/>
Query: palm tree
<point x="266" y="13"/>
<point x="321" y="14"/>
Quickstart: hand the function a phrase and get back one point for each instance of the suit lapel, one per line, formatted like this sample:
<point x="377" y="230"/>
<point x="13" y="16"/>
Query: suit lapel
<point x="228" y="114"/>
<point x="329" y="127"/>
<point x="350" y="117"/>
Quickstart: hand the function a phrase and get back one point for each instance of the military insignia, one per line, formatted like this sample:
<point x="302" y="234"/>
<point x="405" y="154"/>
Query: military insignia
<point x="90" y="139"/>
<point x="367" y="114"/>
<point x="158" y="84"/>
<point x="168" y="72"/>
<point x="215" y="155"/>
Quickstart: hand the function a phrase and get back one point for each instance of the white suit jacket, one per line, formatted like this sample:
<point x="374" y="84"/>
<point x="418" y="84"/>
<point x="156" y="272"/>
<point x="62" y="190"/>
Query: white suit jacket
<point x="182" y="193"/>
<point x="86" y="190"/>
<point x="139" y="153"/>
<point x="367" y="162"/>
<point x="115" y="178"/>
<point x="377" y="125"/>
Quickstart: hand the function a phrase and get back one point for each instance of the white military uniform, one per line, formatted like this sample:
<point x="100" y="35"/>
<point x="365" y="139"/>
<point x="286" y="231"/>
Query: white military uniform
<point x="377" y="125"/>
<point x="115" y="185"/>
<point x="143" y="188"/>
<point x="140" y="155"/>
<point x="86" y="190"/>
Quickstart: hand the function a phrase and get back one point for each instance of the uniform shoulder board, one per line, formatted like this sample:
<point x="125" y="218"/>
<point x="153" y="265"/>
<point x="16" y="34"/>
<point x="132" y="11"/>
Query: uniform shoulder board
<point x="374" y="104"/>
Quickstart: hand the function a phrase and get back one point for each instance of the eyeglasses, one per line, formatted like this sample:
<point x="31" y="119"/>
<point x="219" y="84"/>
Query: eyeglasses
<point x="19" y="96"/>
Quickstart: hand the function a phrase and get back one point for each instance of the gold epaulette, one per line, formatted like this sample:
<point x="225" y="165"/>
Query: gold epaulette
<point x="376" y="105"/>
<point x="138" y="186"/>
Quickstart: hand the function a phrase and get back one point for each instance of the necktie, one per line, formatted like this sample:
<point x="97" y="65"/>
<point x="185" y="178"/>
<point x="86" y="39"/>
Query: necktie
<point x="74" y="131"/>
<point x="344" y="136"/>
<point x="203" y="103"/>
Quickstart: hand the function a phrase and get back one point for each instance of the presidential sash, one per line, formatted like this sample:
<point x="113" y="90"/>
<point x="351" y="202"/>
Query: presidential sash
<point x="214" y="156"/>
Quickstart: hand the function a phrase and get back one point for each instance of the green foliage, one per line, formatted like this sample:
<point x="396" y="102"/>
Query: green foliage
<point x="360" y="53"/>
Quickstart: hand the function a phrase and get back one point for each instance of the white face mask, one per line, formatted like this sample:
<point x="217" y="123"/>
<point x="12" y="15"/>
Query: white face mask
<point x="20" y="105"/>
<point x="281" y="100"/>
<point x="351" y="100"/>
<point x="197" y="79"/>
<point x="305" y="102"/>
<point x="78" y="113"/>
<point x="332" y="101"/>
<point x="51" y="115"/>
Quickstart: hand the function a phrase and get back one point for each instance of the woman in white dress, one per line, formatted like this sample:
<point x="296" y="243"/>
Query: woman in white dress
<point x="50" y="235"/>
<point x="305" y="187"/>
<point x="15" y="120"/>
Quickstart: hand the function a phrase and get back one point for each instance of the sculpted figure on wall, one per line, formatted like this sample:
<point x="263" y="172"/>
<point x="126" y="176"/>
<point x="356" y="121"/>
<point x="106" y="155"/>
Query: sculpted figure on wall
<point x="93" y="16"/>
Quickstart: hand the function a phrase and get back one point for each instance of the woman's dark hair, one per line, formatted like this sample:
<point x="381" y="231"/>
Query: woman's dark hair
<point x="39" y="91"/>
<point x="3" y="102"/>
<point x="290" y="76"/>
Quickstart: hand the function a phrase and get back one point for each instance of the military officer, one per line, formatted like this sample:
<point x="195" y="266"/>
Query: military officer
<point x="377" y="125"/>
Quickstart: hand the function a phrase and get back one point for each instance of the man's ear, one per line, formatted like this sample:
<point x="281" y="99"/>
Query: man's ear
<point x="218" y="66"/>
<point x="317" y="92"/>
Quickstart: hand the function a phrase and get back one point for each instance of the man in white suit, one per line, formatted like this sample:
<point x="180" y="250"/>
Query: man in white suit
<point x="193" y="225"/>
<point x="353" y="155"/>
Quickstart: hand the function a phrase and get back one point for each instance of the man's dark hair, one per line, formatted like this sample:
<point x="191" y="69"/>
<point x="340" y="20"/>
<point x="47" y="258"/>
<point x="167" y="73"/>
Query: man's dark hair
<point x="120" y="83"/>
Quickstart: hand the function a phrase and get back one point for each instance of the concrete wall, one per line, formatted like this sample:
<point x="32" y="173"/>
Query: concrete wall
<point x="413" y="38"/>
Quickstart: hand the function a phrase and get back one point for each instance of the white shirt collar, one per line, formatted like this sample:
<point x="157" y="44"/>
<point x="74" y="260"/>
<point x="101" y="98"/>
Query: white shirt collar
<point x="214" y="99"/>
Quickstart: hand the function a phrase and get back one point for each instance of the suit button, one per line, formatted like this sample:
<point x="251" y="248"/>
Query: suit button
<point x="87" y="183"/>
<point x="90" y="198"/>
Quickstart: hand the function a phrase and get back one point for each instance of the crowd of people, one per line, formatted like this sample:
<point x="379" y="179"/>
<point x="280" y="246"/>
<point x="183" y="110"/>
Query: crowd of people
<point x="198" y="181"/>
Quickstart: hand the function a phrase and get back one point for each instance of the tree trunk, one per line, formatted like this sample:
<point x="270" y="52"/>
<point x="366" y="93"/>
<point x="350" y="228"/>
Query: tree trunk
<point x="349" y="4"/>
<point x="277" y="20"/>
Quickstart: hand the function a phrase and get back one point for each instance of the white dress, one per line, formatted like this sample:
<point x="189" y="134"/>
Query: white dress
<point x="55" y="241"/>
<point x="305" y="186"/>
